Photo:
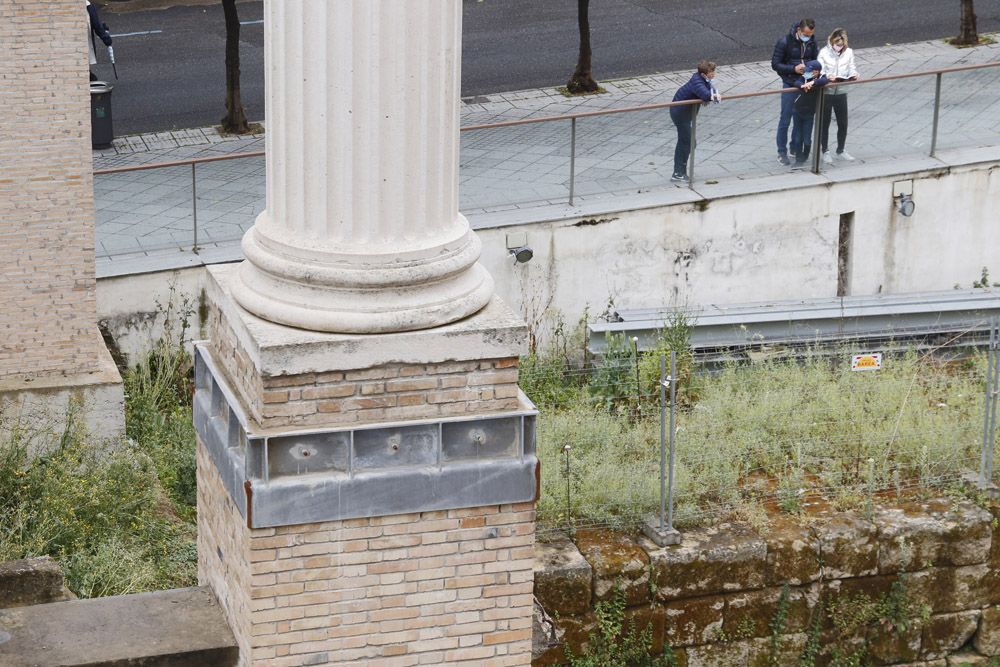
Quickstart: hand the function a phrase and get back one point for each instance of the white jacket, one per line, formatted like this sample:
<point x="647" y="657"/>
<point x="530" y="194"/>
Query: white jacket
<point x="837" y="66"/>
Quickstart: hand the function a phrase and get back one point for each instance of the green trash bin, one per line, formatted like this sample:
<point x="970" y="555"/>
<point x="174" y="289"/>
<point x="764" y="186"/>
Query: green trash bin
<point x="101" y="129"/>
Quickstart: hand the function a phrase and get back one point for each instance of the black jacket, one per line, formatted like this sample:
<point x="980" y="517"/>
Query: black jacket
<point x="789" y="52"/>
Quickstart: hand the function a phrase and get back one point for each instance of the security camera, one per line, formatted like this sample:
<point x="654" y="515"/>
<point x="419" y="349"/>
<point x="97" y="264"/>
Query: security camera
<point x="522" y="254"/>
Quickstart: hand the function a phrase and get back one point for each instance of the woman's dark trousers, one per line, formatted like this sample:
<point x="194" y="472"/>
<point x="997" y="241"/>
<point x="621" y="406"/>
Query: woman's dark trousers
<point x="834" y="105"/>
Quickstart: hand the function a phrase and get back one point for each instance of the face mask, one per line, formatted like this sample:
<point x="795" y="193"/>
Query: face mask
<point x="838" y="47"/>
<point x="808" y="75"/>
<point x="804" y="38"/>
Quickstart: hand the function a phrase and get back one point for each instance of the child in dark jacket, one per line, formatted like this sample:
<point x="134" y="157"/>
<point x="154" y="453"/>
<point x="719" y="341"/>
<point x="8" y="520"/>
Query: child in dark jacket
<point x="804" y="110"/>
<point x="699" y="87"/>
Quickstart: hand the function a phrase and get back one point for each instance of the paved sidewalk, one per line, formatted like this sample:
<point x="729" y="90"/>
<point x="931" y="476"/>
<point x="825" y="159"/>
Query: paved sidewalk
<point x="144" y="217"/>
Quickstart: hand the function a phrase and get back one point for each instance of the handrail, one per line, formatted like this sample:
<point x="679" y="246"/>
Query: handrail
<point x="564" y="117"/>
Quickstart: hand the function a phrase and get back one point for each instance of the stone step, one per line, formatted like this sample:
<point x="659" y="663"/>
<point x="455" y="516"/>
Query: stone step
<point x="176" y="628"/>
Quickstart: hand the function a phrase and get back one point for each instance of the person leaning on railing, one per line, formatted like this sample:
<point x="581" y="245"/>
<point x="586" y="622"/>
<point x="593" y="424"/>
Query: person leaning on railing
<point x="804" y="110"/>
<point x="699" y="87"/>
<point x="837" y="59"/>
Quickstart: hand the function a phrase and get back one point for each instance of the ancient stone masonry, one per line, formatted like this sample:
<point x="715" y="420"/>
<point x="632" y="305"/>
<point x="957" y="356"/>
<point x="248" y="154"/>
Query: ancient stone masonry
<point x="922" y="577"/>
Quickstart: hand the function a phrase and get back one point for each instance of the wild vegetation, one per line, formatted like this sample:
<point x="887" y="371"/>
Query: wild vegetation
<point x="750" y="436"/>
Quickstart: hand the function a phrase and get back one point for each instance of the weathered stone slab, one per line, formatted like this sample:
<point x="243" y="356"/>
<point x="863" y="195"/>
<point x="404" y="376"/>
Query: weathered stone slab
<point x="940" y="532"/>
<point x="848" y="545"/>
<point x="694" y="620"/>
<point x="946" y="633"/>
<point x="651" y="616"/>
<point x="793" y="555"/>
<point x="572" y="631"/>
<point x="952" y="589"/>
<point x="750" y="613"/>
<point x="616" y="561"/>
<point x="563" y="577"/>
<point x="894" y="647"/>
<point x="31" y="581"/>
<point x="708" y="561"/>
<point x="987" y="639"/>
<point x="714" y="655"/>
<point x="788" y="651"/>
<point x="968" y="659"/>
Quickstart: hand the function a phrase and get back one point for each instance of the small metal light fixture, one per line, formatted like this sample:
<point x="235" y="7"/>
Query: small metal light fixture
<point x="905" y="204"/>
<point x="522" y="254"/>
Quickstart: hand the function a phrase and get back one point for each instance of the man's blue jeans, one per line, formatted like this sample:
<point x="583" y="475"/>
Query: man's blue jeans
<point x="785" y="120"/>
<point x="682" y="120"/>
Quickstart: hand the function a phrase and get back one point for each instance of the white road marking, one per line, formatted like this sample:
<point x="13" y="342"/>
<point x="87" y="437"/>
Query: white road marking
<point x="136" y="34"/>
<point x="251" y="22"/>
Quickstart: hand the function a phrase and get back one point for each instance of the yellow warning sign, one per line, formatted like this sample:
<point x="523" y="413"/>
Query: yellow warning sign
<point x="866" y="362"/>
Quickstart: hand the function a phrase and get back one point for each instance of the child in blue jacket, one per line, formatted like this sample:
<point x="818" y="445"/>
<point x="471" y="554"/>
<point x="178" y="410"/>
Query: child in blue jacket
<point x="699" y="87"/>
<point x="804" y="110"/>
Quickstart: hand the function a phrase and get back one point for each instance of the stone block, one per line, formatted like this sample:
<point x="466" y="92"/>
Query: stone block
<point x="708" y="561"/>
<point x="987" y="639"/>
<point x="572" y="631"/>
<point x="714" y="655"/>
<point x="563" y="578"/>
<point x="31" y="581"/>
<point x="793" y="555"/>
<point x="848" y="592"/>
<point x="916" y="536"/>
<point x="751" y="613"/>
<point x="946" y="633"/>
<point x="788" y="650"/>
<point x="694" y="621"/>
<point x="968" y="659"/>
<point x="616" y="561"/>
<point x="848" y="545"/>
<point x="649" y="616"/>
<point x="952" y="589"/>
<point x="891" y="647"/>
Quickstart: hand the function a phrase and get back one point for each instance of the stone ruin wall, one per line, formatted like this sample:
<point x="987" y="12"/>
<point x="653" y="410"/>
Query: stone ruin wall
<point x="713" y="597"/>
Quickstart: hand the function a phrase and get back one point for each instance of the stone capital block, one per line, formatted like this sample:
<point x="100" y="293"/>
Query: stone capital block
<point x="793" y="553"/>
<point x="708" y="561"/>
<point x="848" y="545"/>
<point x="939" y="532"/>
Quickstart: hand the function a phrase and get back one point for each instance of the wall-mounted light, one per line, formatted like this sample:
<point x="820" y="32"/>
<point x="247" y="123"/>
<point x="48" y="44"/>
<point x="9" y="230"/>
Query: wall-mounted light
<point x="522" y="254"/>
<point x="905" y="205"/>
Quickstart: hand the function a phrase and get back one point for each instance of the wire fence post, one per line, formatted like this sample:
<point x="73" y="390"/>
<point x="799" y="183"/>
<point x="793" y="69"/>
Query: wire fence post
<point x="937" y="113"/>
<point x="660" y="528"/>
<point x="694" y="143"/>
<point x="994" y="397"/>
<point x="984" y="478"/>
<point x="569" y="507"/>
<point x="194" y="205"/>
<point x="572" y="159"/>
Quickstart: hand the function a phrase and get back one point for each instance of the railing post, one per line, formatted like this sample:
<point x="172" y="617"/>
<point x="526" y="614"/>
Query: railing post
<point x="572" y="159"/>
<point x="817" y="128"/>
<point x="937" y="111"/>
<point x="673" y="430"/>
<point x="663" y="442"/>
<point x="194" y="205"/>
<point x="694" y="144"/>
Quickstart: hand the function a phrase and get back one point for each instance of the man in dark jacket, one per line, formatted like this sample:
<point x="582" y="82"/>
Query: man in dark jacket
<point x="96" y="28"/>
<point x="791" y="53"/>
<point x="699" y="87"/>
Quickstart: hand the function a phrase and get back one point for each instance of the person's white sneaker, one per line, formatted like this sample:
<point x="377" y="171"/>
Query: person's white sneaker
<point x="845" y="156"/>
<point x="827" y="158"/>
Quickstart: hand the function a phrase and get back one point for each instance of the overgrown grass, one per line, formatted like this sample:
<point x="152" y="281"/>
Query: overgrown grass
<point x="118" y="516"/>
<point x="771" y="433"/>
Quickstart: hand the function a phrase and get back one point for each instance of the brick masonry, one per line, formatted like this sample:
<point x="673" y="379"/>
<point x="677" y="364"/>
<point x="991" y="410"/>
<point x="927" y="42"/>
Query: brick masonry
<point x="47" y="292"/>
<point x="431" y="588"/>
<point x="392" y="392"/>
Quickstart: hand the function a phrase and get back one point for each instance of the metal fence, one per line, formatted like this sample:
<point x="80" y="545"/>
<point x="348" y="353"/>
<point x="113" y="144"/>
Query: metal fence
<point x="601" y="153"/>
<point x="647" y="440"/>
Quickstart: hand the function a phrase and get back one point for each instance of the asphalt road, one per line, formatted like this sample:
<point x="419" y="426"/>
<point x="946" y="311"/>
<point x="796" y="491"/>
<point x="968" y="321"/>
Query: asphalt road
<point x="171" y="61"/>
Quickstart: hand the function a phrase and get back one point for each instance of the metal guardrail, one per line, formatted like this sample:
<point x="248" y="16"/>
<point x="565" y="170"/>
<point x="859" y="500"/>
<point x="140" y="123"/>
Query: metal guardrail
<point x="572" y="118"/>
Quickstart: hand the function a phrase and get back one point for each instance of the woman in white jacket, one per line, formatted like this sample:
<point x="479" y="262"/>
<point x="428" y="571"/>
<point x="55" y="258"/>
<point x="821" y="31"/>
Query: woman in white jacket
<point x="837" y="60"/>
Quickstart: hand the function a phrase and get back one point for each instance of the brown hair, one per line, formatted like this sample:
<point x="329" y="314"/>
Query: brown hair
<point x="807" y="23"/>
<point x="838" y="33"/>
<point x="706" y="66"/>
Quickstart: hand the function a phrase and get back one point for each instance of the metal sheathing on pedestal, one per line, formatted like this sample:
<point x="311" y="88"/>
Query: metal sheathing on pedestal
<point x="305" y="476"/>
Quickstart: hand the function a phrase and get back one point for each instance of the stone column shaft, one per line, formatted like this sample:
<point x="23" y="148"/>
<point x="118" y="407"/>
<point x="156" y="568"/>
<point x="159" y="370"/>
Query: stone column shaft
<point x="362" y="231"/>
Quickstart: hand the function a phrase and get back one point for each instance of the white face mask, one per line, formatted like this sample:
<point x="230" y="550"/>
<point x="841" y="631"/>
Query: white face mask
<point x="838" y="47"/>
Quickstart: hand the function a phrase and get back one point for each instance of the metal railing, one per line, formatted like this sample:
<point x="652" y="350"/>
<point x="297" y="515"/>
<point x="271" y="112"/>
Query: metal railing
<point x="573" y="119"/>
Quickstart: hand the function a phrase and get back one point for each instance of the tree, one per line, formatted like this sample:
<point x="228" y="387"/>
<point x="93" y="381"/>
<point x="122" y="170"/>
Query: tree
<point x="235" y="120"/>
<point x="967" y="33"/>
<point x="582" y="80"/>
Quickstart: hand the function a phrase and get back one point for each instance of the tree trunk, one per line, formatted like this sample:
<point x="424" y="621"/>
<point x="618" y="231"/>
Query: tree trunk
<point x="235" y="120"/>
<point x="967" y="33"/>
<point x="582" y="80"/>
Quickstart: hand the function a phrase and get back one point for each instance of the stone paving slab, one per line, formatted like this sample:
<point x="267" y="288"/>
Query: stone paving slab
<point x="517" y="170"/>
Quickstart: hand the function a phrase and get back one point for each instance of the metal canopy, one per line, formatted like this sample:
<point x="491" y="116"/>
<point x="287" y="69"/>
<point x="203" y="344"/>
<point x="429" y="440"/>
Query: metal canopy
<point x="879" y="318"/>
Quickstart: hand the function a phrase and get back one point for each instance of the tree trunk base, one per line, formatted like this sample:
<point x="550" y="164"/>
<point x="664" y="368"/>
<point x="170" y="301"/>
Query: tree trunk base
<point x="579" y="85"/>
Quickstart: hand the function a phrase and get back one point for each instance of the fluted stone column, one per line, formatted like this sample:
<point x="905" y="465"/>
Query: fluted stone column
<point x="362" y="232"/>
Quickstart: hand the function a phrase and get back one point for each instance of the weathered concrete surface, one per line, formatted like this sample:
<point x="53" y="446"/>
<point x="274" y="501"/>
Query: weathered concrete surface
<point x="946" y="633"/>
<point x="31" y="581"/>
<point x="939" y="532"/>
<point x="987" y="639"/>
<point x="176" y="628"/>
<point x="848" y="545"/>
<point x="563" y="577"/>
<point x="617" y="561"/>
<point x="708" y="561"/>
